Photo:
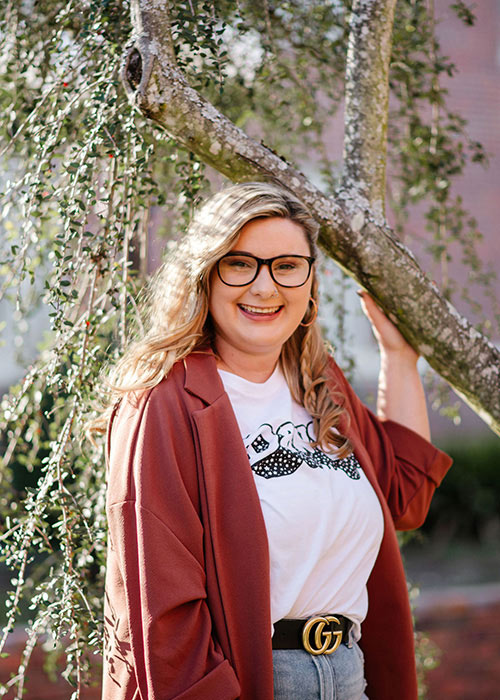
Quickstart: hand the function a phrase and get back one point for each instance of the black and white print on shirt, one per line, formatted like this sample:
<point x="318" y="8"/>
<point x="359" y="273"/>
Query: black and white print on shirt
<point x="282" y="451"/>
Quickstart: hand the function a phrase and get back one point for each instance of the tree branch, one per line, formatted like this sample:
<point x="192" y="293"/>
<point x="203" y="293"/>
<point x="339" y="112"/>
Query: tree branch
<point x="367" y="99"/>
<point x="350" y="232"/>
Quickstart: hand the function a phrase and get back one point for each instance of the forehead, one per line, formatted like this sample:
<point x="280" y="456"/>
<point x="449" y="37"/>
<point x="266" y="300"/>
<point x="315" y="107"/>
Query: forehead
<point x="272" y="236"/>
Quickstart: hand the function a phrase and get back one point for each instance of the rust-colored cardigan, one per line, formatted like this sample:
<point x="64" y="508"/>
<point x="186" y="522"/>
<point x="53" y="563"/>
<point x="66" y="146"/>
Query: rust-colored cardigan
<point x="187" y="610"/>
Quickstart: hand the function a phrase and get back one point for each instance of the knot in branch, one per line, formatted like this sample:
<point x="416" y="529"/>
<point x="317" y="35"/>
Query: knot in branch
<point x="133" y="69"/>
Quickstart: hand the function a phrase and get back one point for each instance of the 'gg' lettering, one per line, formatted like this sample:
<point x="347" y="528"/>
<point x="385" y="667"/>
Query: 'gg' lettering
<point x="324" y="642"/>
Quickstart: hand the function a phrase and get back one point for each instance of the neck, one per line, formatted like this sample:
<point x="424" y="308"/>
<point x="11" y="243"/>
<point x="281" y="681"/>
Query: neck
<point x="255" y="368"/>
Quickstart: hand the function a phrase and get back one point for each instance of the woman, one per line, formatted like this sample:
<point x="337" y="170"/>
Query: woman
<point x="252" y="498"/>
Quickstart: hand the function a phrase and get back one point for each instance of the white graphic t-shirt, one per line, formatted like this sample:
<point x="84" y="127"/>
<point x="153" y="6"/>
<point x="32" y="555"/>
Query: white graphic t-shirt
<point x="323" y="519"/>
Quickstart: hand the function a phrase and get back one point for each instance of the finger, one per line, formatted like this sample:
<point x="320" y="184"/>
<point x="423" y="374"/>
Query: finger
<point x="368" y="304"/>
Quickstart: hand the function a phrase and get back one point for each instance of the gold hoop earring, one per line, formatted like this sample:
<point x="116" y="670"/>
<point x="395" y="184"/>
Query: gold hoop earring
<point x="315" y="314"/>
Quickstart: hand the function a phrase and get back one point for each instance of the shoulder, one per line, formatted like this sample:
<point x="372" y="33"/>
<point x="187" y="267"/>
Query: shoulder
<point x="336" y="375"/>
<point x="340" y="388"/>
<point x="150" y="437"/>
<point x="175" y="392"/>
<point x="192" y="384"/>
<point x="145" y="409"/>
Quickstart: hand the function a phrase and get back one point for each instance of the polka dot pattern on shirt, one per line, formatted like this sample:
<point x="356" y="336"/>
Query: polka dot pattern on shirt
<point x="283" y="457"/>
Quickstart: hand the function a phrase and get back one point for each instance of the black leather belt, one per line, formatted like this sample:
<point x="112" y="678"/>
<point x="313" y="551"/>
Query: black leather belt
<point x="321" y="634"/>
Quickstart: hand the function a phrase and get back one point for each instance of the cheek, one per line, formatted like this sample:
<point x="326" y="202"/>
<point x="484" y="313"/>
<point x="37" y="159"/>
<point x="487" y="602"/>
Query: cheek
<point x="302" y="302"/>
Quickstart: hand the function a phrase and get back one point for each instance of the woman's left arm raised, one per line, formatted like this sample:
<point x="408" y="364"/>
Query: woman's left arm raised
<point x="401" y="395"/>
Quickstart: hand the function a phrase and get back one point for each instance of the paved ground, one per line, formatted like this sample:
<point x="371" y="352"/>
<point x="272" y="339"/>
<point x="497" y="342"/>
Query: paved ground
<point x="464" y="622"/>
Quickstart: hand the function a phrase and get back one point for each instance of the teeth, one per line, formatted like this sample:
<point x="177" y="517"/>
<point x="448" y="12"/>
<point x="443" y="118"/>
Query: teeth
<point x="260" y="309"/>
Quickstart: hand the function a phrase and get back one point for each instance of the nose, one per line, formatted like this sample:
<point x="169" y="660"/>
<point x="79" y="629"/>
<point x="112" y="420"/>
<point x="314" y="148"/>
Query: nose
<point x="264" y="285"/>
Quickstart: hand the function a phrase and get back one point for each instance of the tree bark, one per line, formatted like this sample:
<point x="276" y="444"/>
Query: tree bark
<point x="367" y="100"/>
<point x="352" y="231"/>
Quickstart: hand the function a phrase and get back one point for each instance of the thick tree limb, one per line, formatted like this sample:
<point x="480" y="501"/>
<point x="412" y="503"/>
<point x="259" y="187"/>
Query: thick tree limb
<point x="367" y="99"/>
<point x="350" y="232"/>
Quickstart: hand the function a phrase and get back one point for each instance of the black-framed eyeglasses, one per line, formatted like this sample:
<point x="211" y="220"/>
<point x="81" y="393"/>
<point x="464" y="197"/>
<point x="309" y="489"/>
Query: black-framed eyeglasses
<point x="240" y="269"/>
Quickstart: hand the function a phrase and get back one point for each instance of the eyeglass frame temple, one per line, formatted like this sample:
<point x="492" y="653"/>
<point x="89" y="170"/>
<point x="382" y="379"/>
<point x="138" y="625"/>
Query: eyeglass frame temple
<point x="268" y="262"/>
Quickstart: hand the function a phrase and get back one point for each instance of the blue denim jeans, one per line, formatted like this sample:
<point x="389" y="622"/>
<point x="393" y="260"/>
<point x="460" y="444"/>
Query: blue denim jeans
<point x="299" y="675"/>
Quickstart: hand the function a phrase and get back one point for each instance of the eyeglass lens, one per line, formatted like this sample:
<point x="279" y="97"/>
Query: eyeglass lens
<point x="287" y="270"/>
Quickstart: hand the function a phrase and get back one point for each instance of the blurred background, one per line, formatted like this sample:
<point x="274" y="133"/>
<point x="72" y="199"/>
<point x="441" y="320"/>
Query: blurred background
<point x="453" y="561"/>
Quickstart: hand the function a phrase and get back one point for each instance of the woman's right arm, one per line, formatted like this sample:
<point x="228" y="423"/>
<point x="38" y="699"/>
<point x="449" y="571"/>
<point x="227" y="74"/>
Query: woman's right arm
<point x="408" y="466"/>
<point x="159" y="629"/>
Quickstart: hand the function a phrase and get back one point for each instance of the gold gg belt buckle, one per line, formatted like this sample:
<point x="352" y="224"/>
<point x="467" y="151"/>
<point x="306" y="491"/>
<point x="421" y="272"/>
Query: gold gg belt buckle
<point x="325" y="642"/>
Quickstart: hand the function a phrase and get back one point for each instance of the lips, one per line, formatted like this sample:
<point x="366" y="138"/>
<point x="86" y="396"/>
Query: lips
<point x="260" y="311"/>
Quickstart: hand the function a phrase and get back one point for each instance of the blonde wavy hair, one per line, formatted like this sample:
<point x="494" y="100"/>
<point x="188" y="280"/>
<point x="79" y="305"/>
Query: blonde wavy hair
<point x="177" y="320"/>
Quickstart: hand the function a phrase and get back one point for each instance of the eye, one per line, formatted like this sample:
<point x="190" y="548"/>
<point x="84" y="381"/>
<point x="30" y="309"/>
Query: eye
<point x="288" y="264"/>
<point x="237" y="263"/>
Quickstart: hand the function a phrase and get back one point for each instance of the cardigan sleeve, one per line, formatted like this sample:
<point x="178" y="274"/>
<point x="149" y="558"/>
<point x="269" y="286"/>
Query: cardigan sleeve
<point x="156" y="587"/>
<point x="408" y="467"/>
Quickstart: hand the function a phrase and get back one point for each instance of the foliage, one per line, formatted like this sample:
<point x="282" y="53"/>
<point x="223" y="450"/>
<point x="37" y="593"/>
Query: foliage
<point x="467" y="504"/>
<point x="82" y="210"/>
<point x="427" y="658"/>
<point x="89" y="180"/>
<point x="434" y="150"/>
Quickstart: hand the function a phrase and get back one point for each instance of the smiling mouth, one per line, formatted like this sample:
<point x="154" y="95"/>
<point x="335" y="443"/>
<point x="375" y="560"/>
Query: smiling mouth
<point x="263" y="310"/>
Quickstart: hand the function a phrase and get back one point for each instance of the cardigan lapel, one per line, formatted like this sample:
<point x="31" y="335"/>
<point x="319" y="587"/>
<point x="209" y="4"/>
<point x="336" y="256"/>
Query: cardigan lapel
<point x="236" y="548"/>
